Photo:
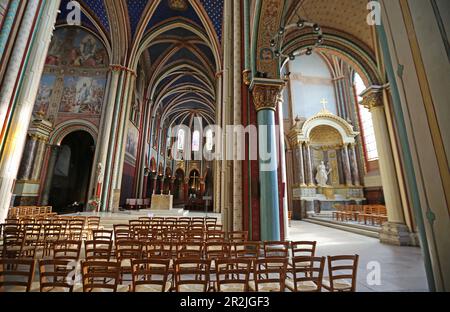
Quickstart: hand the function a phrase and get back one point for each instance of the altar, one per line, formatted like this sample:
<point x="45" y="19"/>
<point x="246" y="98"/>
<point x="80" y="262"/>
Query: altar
<point x="326" y="168"/>
<point x="162" y="202"/>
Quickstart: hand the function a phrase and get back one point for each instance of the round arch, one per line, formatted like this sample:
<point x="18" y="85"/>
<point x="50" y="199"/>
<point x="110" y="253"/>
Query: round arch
<point x="67" y="127"/>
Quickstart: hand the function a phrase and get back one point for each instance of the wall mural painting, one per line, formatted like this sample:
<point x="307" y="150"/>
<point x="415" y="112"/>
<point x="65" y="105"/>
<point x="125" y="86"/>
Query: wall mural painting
<point x="83" y="95"/>
<point x="76" y="47"/>
<point x="132" y="142"/>
<point x="44" y="94"/>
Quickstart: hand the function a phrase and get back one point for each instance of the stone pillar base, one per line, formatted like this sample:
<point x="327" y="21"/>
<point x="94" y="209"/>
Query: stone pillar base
<point x="397" y="234"/>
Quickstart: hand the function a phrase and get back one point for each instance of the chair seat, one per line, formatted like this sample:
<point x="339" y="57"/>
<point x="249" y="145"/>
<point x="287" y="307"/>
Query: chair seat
<point x="265" y="287"/>
<point x="340" y="285"/>
<point x="305" y="286"/>
<point x="231" y="287"/>
<point x="191" y="288"/>
<point x="152" y="288"/>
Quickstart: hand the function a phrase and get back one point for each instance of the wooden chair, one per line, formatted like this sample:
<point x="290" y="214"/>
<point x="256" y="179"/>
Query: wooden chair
<point x="269" y="275"/>
<point x="56" y="276"/>
<point x="210" y="220"/>
<point x="98" y="250"/>
<point x="306" y="278"/>
<point x="16" y="275"/>
<point x="191" y="275"/>
<point x="150" y="275"/>
<point x="342" y="272"/>
<point x="232" y="275"/>
<point x="126" y="252"/>
<point x="247" y="250"/>
<point x="52" y="233"/>
<point x="193" y="250"/>
<point x="100" y="276"/>
<point x="13" y="241"/>
<point x="215" y="236"/>
<point x="276" y="249"/>
<point x="102" y="235"/>
<point x="237" y="236"/>
<point x="67" y="250"/>
<point x="159" y="250"/>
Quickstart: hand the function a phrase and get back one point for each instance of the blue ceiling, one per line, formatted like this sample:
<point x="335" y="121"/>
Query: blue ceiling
<point x="214" y="9"/>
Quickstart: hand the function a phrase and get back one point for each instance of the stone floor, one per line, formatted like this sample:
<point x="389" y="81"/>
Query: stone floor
<point x="401" y="268"/>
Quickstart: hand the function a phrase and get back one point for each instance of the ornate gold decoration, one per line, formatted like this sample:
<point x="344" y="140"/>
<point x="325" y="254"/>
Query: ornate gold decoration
<point x="246" y="77"/>
<point x="178" y="5"/>
<point x="372" y="97"/>
<point x="266" y="96"/>
<point x="325" y="136"/>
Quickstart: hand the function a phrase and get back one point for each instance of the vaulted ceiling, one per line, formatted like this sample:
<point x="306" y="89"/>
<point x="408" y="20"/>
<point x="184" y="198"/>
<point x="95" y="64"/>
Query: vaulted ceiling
<point x="177" y="41"/>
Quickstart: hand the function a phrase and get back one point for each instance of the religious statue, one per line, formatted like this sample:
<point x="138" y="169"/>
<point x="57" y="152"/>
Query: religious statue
<point x="322" y="174"/>
<point x="100" y="176"/>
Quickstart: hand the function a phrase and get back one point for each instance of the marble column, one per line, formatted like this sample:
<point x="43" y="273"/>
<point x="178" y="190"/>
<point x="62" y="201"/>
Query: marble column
<point x="38" y="159"/>
<point x="16" y="105"/>
<point x="54" y="150"/>
<point x="29" y="153"/>
<point x="346" y="163"/>
<point x="394" y="231"/>
<point x="354" y="165"/>
<point x="300" y="172"/>
<point x="265" y="97"/>
<point x="8" y="24"/>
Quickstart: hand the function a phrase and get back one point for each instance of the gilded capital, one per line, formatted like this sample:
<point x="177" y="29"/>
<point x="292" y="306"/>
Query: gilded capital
<point x="266" y="94"/>
<point x="372" y="97"/>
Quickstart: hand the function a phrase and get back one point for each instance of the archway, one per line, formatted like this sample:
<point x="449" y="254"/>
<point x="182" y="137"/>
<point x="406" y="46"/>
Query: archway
<point x="70" y="178"/>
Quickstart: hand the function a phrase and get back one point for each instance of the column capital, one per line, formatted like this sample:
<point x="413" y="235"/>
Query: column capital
<point x="373" y="97"/>
<point x="266" y="93"/>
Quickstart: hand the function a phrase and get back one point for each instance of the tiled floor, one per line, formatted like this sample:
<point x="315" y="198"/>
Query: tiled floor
<point x="401" y="268"/>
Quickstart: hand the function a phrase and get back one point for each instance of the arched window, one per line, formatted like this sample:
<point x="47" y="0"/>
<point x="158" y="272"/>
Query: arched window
<point x="209" y="140"/>
<point x="196" y="141"/>
<point x="181" y="136"/>
<point x="365" y="116"/>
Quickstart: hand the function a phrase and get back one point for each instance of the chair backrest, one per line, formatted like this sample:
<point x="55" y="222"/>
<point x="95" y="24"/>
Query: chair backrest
<point x="303" y="248"/>
<point x="247" y="250"/>
<point x="98" y="250"/>
<point x="237" y="236"/>
<point x="232" y="275"/>
<point x="150" y="275"/>
<point x="276" y="249"/>
<point x="192" y="275"/>
<point x="16" y="274"/>
<point x="270" y="271"/>
<point x="100" y="276"/>
<point x="341" y="269"/>
<point x="159" y="249"/>
<point x="215" y="236"/>
<point x="193" y="250"/>
<point x="307" y="273"/>
<point x="129" y="250"/>
<point x="217" y="250"/>
<point x="106" y="235"/>
<point x="67" y="250"/>
<point x="57" y="275"/>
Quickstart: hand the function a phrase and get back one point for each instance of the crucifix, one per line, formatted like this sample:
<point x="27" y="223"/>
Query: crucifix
<point x="324" y="103"/>
<point x="194" y="182"/>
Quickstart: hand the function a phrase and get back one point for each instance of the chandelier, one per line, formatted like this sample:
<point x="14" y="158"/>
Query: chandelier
<point x="278" y="39"/>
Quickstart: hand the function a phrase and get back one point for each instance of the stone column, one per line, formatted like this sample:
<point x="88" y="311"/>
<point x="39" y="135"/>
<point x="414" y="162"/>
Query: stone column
<point x="16" y="106"/>
<point x="309" y="169"/>
<point x="48" y="179"/>
<point x="354" y="165"/>
<point x="39" y="159"/>
<point x="346" y="163"/>
<point x="265" y="97"/>
<point x="394" y="231"/>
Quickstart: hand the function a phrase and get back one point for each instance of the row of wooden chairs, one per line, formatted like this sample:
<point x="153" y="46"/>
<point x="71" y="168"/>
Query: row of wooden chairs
<point x="375" y="214"/>
<point x="188" y="275"/>
<point x="29" y="211"/>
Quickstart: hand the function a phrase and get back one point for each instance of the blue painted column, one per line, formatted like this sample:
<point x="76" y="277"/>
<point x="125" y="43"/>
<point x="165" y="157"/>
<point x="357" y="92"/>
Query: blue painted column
<point x="8" y="24"/>
<point x="265" y="97"/>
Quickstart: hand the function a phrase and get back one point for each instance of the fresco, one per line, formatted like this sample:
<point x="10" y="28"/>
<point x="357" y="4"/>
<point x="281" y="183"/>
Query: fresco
<point x="132" y="141"/>
<point x="44" y="94"/>
<point x="76" y="47"/>
<point x="83" y="95"/>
